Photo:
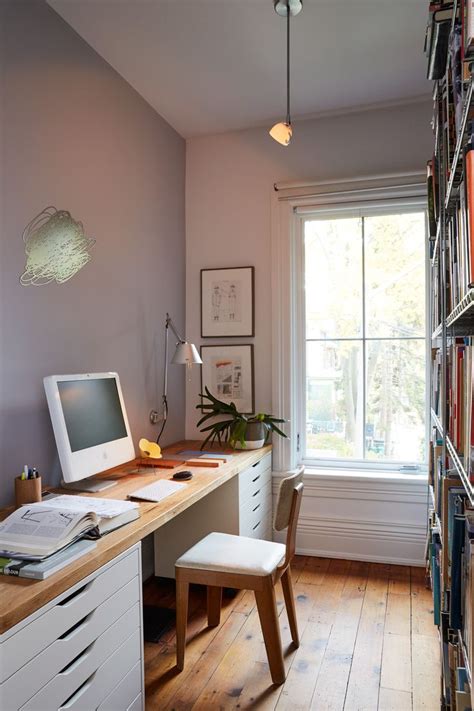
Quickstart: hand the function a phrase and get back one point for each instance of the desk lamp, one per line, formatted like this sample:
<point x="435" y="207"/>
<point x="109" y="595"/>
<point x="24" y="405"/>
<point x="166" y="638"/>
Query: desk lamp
<point x="185" y="354"/>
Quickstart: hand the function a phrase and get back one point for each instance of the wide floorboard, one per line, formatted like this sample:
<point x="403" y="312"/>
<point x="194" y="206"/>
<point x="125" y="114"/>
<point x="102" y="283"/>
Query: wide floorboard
<point x="368" y="643"/>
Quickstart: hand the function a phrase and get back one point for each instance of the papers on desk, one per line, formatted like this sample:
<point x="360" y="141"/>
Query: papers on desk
<point x="111" y="513"/>
<point x="104" y="508"/>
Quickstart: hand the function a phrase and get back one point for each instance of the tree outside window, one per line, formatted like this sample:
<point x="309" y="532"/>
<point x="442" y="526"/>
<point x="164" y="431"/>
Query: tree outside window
<point x="365" y="337"/>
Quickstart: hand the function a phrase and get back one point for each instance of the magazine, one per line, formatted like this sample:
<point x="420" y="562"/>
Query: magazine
<point x="39" y="570"/>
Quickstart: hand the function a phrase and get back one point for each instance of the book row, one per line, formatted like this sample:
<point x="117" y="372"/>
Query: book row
<point x="451" y="564"/>
<point x="458" y="414"/>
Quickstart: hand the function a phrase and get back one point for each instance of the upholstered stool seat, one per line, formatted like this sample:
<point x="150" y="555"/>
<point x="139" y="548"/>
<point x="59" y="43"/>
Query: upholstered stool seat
<point x="222" y="560"/>
<point x="224" y="553"/>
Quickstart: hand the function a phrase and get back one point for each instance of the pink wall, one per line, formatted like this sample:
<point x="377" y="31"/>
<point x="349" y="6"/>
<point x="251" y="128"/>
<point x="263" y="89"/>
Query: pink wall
<point x="77" y="136"/>
<point x="229" y="183"/>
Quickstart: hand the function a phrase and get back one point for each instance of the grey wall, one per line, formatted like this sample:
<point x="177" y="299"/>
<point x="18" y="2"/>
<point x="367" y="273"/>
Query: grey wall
<point x="75" y="135"/>
<point x="229" y="183"/>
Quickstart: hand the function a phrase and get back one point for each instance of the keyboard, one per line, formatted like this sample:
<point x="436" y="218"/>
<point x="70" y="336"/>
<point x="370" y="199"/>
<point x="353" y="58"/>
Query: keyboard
<point x="157" y="491"/>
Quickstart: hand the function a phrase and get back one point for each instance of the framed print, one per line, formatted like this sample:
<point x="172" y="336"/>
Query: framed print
<point x="227" y="371"/>
<point x="227" y="302"/>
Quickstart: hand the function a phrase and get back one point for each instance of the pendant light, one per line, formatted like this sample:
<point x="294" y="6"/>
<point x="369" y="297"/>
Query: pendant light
<point x="283" y="131"/>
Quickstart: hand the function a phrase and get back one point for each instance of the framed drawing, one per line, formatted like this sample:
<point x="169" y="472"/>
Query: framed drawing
<point x="227" y="371"/>
<point x="227" y="302"/>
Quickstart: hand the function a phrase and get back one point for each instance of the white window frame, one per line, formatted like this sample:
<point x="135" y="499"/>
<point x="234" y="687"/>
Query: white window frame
<point x="407" y="191"/>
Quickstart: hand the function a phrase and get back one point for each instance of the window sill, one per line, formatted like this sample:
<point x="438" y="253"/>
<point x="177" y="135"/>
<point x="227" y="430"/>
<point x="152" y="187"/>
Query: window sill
<point x="354" y="475"/>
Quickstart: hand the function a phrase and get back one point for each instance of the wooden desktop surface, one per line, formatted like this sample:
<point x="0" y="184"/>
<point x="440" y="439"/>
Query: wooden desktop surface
<point x="20" y="597"/>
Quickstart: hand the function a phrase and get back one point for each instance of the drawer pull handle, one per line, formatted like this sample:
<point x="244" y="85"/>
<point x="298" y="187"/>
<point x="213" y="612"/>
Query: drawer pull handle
<point x="76" y="694"/>
<point x="77" y="660"/>
<point x="257" y="492"/>
<point x="256" y="525"/>
<point x="257" y="507"/>
<point x="256" y="464"/>
<point x="256" y="478"/>
<point x="72" y="631"/>
<point x="70" y="598"/>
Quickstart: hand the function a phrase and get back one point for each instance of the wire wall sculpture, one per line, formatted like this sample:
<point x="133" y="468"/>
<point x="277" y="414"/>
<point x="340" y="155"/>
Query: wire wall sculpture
<point x="55" y="247"/>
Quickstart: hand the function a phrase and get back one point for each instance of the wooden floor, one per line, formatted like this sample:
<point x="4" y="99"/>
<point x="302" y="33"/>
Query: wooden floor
<point x="368" y="642"/>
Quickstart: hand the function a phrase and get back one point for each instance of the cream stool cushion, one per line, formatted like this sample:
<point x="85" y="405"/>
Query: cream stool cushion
<point x="233" y="554"/>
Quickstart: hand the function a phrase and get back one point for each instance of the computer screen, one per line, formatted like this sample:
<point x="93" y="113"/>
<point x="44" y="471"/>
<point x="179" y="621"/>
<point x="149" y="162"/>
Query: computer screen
<point x="92" y="412"/>
<point x="89" y="422"/>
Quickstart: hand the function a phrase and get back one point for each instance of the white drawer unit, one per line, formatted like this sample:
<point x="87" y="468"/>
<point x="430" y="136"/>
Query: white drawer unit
<point x="255" y="476"/>
<point x="255" y="500"/>
<point x="76" y="651"/>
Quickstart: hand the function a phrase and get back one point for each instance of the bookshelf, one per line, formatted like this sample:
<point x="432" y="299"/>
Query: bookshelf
<point x="449" y="47"/>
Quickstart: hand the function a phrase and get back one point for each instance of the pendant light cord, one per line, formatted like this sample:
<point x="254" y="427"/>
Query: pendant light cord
<point x="288" y="118"/>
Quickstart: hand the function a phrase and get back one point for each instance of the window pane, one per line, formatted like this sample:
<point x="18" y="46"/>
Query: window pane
<point x="333" y="278"/>
<point x="334" y="392"/>
<point x="395" y="275"/>
<point x="395" y="425"/>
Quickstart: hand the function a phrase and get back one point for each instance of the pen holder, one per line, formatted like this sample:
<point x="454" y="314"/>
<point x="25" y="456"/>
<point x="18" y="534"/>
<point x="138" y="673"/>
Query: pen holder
<point x="27" y="491"/>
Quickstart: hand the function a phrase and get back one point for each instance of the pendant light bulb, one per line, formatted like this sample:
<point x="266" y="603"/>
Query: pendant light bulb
<point x="282" y="133"/>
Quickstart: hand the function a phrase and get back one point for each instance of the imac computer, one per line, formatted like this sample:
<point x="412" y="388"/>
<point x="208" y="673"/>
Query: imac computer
<point x="90" y="426"/>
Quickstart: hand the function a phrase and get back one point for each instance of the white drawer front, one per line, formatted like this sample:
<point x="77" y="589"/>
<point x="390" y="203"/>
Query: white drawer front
<point x="257" y="531"/>
<point x="70" y="609"/>
<point x="259" y="472"/>
<point x="67" y="682"/>
<point x="124" y="695"/>
<point x="137" y="704"/>
<point x="257" y="484"/>
<point x="107" y="677"/>
<point x="257" y="524"/>
<point x="257" y="501"/>
<point x="22" y="685"/>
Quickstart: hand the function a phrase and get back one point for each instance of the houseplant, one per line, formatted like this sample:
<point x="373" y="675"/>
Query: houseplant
<point x="239" y="430"/>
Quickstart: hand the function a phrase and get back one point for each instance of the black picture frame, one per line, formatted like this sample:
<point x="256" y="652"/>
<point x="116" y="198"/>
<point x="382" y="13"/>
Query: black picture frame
<point x="210" y="328"/>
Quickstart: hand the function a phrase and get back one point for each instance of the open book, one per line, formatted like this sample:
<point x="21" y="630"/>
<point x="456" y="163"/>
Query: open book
<point x="35" y="532"/>
<point x="38" y="530"/>
<point x="112" y="513"/>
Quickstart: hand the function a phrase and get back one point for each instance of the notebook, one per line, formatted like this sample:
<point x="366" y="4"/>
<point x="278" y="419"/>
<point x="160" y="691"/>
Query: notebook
<point x="157" y="491"/>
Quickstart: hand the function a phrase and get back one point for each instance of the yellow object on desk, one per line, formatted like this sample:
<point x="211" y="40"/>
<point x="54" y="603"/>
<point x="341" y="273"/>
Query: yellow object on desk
<point x="149" y="449"/>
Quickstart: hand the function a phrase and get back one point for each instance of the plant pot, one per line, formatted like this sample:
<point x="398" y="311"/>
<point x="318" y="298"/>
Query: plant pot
<point x="254" y="436"/>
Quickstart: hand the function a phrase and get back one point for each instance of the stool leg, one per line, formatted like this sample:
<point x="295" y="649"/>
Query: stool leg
<point x="214" y="602"/>
<point x="267" y="611"/>
<point x="287" y="586"/>
<point x="182" y="590"/>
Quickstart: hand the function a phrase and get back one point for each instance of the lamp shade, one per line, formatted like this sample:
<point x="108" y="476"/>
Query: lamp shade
<point x="186" y="354"/>
<point x="282" y="133"/>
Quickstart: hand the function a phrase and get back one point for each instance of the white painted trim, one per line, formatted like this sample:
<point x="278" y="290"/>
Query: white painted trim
<point x="413" y="175"/>
<point x="349" y="491"/>
<point x="284" y="451"/>
<point x="285" y="295"/>
<point x="369" y="517"/>
<point x="353" y="528"/>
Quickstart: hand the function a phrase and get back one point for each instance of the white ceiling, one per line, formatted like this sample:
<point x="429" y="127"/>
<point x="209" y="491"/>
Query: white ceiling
<point x="209" y="66"/>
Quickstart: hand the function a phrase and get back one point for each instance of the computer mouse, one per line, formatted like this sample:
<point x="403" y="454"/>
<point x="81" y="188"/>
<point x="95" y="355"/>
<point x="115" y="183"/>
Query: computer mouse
<point x="181" y="476"/>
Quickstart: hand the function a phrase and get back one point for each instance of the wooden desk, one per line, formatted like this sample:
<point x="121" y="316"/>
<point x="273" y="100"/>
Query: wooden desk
<point x="20" y="598"/>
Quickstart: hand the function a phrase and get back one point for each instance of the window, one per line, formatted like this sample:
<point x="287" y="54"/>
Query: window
<point x="363" y="383"/>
